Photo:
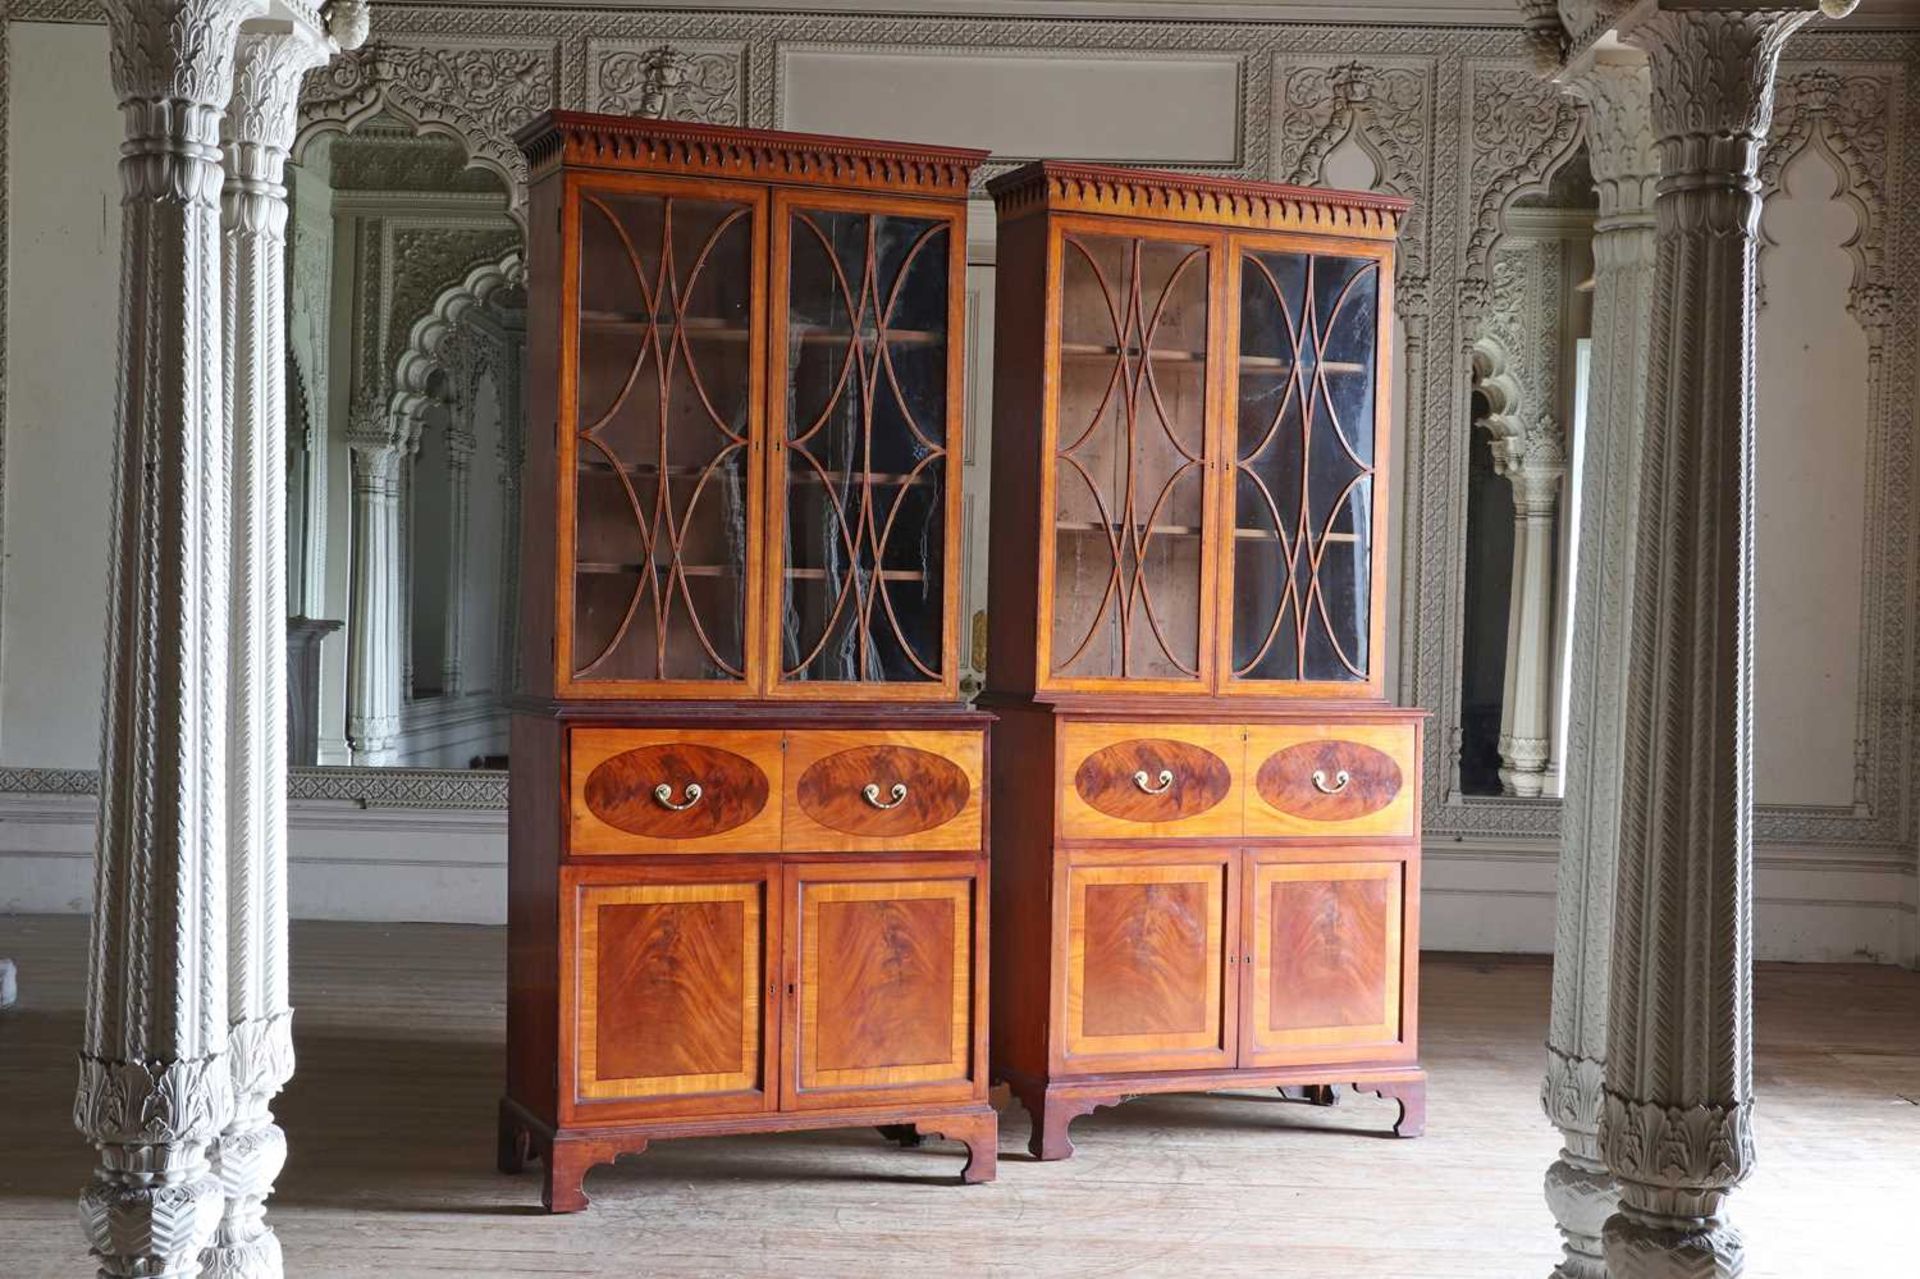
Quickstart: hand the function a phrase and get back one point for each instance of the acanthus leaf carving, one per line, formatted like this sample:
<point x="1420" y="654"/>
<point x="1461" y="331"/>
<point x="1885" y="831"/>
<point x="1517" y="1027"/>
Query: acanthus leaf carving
<point x="669" y="82"/>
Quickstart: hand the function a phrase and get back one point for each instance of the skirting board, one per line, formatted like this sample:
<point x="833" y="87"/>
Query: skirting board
<point x="449" y="866"/>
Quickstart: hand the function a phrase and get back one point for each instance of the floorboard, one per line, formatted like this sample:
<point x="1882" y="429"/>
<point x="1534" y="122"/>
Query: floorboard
<point x="399" y="1037"/>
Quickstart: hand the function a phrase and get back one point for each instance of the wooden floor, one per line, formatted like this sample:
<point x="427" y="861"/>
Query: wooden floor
<point x="391" y="1122"/>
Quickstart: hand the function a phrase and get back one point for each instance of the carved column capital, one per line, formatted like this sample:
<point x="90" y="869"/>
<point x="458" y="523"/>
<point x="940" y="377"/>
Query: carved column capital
<point x="1545" y="36"/>
<point x="1617" y="96"/>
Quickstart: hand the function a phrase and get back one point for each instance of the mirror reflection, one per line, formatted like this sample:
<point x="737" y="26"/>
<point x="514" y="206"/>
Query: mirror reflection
<point x="405" y="347"/>
<point x="1528" y="393"/>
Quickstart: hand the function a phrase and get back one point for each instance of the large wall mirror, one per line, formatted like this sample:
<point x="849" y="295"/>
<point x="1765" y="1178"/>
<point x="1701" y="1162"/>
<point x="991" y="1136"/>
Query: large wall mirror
<point x="1527" y="418"/>
<point x="405" y="349"/>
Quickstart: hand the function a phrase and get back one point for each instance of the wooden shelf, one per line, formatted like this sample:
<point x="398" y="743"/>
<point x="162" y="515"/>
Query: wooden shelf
<point x="1095" y="351"/>
<point x="897" y="337"/>
<point x="1268" y="535"/>
<point x="810" y="476"/>
<point x="694" y="328"/>
<point x="1158" y="530"/>
<point x="604" y="567"/>
<point x="886" y="575"/>
<point x="1274" y="366"/>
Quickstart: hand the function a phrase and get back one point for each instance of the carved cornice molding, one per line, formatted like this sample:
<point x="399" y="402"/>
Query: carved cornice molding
<point x="1062" y="186"/>
<point x="678" y="146"/>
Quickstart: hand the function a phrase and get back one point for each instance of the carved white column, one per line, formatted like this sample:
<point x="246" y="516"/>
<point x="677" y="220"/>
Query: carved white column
<point x="1534" y="464"/>
<point x="376" y="448"/>
<point x="1615" y="95"/>
<point x="154" y="1088"/>
<point x="1675" y="1121"/>
<point x="273" y="56"/>
<point x="461" y="445"/>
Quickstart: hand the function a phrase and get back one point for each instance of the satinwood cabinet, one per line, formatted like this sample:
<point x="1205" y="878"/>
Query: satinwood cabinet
<point x="748" y="885"/>
<point x="1206" y="837"/>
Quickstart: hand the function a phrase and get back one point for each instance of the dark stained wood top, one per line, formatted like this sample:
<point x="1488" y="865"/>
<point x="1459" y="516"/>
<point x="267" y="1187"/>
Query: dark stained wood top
<point x="584" y="139"/>
<point x="1070" y="187"/>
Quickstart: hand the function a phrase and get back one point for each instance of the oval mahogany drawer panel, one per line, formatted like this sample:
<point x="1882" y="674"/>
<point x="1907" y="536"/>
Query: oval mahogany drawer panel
<point x="1153" y="779"/>
<point x="1329" y="780"/>
<point x="883" y="790"/>
<point x="708" y="791"/>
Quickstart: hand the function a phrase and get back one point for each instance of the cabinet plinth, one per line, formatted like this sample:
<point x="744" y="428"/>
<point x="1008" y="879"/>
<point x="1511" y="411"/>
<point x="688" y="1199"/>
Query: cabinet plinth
<point x="748" y="877"/>
<point x="1205" y="812"/>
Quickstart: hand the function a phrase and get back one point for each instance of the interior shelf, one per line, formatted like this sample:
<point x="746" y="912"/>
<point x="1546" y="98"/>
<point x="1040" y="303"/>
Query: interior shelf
<point x="1097" y="351"/>
<point x="638" y="567"/>
<point x="1278" y="366"/>
<point x="1157" y="530"/>
<point x="694" y="327"/>
<point x="886" y="575"/>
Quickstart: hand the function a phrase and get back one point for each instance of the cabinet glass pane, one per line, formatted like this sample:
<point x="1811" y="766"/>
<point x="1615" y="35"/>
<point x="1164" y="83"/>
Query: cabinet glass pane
<point x="1303" y="478"/>
<point x="865" y="457"/>
<point x="660" y="551"/>
<point x="1129" y="475"/>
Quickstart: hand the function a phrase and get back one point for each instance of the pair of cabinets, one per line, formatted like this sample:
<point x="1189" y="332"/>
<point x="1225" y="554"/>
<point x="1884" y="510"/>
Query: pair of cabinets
<point x="1215" y="959"/>
<point x="773" y="984"/>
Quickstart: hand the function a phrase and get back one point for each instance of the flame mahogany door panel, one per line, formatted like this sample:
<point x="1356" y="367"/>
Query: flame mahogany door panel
<point x="882" y="1007"/>
<point x="662" y="365"/>
<point x="675" y="1007"/>
<point x="1326" y="955"/>
<point x="1150" y="960"/>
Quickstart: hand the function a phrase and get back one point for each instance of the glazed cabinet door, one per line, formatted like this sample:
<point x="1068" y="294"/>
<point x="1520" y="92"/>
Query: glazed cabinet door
<point x="1302" y="614"/>
<point x="673" y="999"/>
<point x="1150" y="952"/>
<point x="868" y="308"/>
<point x="882" y="1002"/>
<point x="660" y="426"/>
<point x="1328" y="956"/>
<point x="1127" y="503"/>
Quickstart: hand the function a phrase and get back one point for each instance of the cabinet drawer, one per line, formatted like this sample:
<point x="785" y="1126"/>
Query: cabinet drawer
<point x="674" y="791"/>
<point x="863" y="790"/>
<point x="1330" y="779"/>
<point x="1126" y="781"/>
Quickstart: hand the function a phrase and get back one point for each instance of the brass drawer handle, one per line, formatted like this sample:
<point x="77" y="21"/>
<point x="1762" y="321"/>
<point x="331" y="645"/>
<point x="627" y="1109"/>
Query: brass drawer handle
<point x="663" y="795"/>
<point x="1154" y="788"/>
<point x="871" y="793"/>
<point x="1340" y="781"/>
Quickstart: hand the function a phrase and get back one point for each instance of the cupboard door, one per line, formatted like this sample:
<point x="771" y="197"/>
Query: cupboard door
<point x="868" y="305"/>
<point x="1149" y="946"/>
<point x="659" y="490"/>
<point x="1129" y="503"/>
<point x="1303" y="612"/>
<point x="674" y="1000"/>
<point x="882" y="1002"/>
<point x="1325" y="956"/>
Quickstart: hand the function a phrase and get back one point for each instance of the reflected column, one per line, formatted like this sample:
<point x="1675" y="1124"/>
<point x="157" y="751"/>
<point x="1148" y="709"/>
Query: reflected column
<point x="376" y="444"/>
<point x="1534" y="464"/>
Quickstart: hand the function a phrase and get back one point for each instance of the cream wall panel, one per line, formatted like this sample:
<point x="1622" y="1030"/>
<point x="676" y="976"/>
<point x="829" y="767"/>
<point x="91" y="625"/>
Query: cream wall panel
<point x="1021" y="104"/>
<point x="63" y="138"/>
<point x="1811" y="406"/>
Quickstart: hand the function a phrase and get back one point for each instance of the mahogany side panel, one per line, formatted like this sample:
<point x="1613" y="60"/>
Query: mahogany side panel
<point x="1023" y="784"/>
<point x="1019" y="396"/>
<point x="535" y="827"/>
<point x="539" y="473"/>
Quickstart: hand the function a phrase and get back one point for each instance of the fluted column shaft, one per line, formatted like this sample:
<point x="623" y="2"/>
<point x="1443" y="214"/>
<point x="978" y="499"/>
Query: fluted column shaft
<point x="1675" y="1120"/>
<point x="461" y="445"/>
<point x="1526" y="716"/>
<point x="154" y="1088"/>
<point x="1616" y="97"/>
<point x="373" y="620"/>
<point x="261" y="119"/>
